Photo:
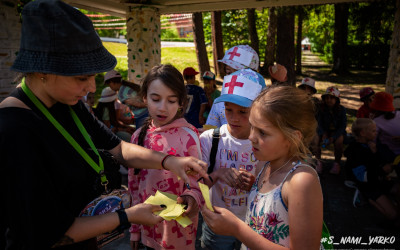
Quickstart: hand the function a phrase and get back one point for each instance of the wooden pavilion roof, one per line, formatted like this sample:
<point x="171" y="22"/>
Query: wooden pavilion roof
<point x="119" y="7"/>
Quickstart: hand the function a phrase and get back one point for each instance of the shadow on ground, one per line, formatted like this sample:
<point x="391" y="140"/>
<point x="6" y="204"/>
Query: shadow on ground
<point x="353" y="227"/>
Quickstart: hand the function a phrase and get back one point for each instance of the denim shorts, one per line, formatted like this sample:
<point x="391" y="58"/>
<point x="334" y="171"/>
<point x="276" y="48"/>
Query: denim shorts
<point x="213" y="241"/>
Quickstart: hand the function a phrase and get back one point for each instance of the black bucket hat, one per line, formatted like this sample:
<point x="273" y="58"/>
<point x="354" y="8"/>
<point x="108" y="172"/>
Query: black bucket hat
<point x="58" y="39"/>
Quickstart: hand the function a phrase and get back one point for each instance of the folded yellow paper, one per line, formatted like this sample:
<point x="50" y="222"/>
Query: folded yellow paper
<point x="173" y="211"/>
<point x="205" y="191"/>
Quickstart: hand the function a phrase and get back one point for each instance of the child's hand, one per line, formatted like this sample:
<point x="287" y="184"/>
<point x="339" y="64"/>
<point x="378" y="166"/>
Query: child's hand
<point x="247" y="180"/>
<point x="192" y="209"/>
<point x="222" y="221"/>
<point x="230" y="176"/>
<point x="143" y="214"/>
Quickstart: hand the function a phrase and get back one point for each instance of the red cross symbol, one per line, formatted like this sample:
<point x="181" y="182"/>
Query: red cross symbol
<point x="233" y="53"/>
<point x="232" y="84"/>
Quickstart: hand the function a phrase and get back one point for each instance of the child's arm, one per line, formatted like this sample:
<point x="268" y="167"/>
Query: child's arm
<point x="303" y="194"/>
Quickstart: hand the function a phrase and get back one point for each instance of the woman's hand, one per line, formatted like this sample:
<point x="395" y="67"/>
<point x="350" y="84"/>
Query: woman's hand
<point x="144" y="214"/>
<point x="222" y="221"/>
<point x="192" y="209"/>
<point x="182" y="166"/>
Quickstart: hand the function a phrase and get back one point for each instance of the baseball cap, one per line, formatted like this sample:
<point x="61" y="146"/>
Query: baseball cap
<point x="209" y="75"/>
<point x="241" y="88"/>
<point x="241" y="57"/>
<point x="189" y="71"/>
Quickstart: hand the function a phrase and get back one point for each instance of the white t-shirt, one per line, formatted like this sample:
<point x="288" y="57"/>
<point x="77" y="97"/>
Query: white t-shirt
<point x="232" y="153"/>
<point x="216" y="117"/>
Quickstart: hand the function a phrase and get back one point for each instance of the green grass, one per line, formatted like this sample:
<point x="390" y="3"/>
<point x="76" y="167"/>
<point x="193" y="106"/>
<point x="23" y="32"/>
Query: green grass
<point x="180" y="57"/>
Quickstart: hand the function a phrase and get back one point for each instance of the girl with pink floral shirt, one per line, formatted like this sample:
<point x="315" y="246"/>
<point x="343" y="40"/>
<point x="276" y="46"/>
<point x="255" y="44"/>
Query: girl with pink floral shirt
<point x="164" y="92"/>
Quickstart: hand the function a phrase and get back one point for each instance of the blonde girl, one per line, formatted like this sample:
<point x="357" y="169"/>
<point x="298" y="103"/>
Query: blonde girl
<point x="164" y="92"/>
<point x="285" y="203"/>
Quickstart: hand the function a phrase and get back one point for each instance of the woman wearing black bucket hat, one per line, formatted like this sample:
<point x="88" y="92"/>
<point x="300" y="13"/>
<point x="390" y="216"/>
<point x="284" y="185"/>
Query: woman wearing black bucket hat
<point x="46" y="178"/>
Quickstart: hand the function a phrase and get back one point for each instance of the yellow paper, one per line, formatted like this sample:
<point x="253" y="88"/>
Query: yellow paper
<point x="205" y="191"/>
<point x="173" y="211"/>
<point x="207" y="127"/>
<point x="183" y="221"/>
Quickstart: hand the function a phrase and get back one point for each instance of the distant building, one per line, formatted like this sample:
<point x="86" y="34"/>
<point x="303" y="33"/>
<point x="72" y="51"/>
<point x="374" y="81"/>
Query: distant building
<point x="305" y="44"/>
<point x="183" y="23"/>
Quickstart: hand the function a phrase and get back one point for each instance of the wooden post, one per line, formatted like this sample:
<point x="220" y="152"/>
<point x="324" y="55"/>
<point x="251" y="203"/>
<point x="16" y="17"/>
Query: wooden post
<point x="217" y="42"/>
<point x="143" y="27"/>
<point x="393" y="73"/>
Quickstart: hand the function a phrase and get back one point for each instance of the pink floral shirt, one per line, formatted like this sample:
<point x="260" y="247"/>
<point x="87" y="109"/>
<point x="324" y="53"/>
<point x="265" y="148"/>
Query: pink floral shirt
<point x="171" y="139"/>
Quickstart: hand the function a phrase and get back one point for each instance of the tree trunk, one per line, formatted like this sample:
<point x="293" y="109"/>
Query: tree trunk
<point x="285" y="52"/>
<point x="393" y="73"/>
<point x="269" y="58"/>
<point x="198" y="37"/>
<point x="340" y="39"/>
<point x="217" y="42"/>
<point x="251" y="19"/>
<point x="299" y="38"/>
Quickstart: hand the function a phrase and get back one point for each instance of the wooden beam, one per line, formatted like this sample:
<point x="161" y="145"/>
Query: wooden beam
<point x="107" y="7"/>
<point x="191" y="6"/>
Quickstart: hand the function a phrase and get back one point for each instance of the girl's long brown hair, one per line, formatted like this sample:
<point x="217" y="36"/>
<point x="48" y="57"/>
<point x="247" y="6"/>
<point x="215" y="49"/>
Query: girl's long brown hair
<point x="173" y="79"/>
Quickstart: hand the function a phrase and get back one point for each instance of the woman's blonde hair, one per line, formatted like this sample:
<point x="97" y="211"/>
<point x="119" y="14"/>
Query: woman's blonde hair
<point x="289" y="109"/>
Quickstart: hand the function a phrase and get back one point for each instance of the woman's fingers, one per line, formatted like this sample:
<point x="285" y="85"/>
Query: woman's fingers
<point x="182" y="166"/>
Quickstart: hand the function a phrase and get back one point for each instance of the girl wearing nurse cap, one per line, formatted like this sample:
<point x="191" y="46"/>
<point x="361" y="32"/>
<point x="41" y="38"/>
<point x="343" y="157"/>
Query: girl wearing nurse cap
<point x="234" y="168"/>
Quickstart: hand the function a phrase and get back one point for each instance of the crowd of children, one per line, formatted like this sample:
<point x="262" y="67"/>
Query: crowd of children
<point x="258" y="155"/>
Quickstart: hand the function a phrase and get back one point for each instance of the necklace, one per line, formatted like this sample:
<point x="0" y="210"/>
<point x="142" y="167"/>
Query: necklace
<point x="276" y="170"/>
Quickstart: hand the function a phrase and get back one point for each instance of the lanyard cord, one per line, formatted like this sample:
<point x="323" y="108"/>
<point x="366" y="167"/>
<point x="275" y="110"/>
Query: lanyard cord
<point x="99" y="168"/>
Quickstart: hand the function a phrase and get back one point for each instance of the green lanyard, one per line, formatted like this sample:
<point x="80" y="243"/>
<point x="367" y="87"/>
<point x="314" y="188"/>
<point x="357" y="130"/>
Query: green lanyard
<point x="99" y="168"/>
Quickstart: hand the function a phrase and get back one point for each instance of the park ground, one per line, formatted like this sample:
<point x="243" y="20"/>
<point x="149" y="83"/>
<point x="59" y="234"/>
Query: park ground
<point x="351" y="227"/>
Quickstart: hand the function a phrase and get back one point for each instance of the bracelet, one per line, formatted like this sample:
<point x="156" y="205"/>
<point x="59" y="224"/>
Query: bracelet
<point x="163" y="161"/>
<point x="123" y="220"/>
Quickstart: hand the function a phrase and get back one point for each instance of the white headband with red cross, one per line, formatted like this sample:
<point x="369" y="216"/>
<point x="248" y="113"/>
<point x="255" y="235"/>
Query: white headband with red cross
<point x="241" y="56"/>
<point x="241" y="86"/>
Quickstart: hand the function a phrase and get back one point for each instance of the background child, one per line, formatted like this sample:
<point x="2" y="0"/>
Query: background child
<point x="388" y="126"/>
<point x="197" y="100"/>
<point x="236" y="58"/>
<point x="107" y="113"/>
<point x="367" y="170"/>
<point x="164" y="92"/>
<point x="89" y="101"/>
<point x="127" y="94"/>
<point x="308" y="85"/>
<point x="285" y="202"/>
<point x="210" y="88"/>
<point x="278" y="74"/>
<point x="366" y="96"/>
<point x="332" y="123"/>
<point x="235" y="163"/>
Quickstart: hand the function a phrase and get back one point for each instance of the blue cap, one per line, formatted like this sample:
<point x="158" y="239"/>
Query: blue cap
<point x="241" y="87"/>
